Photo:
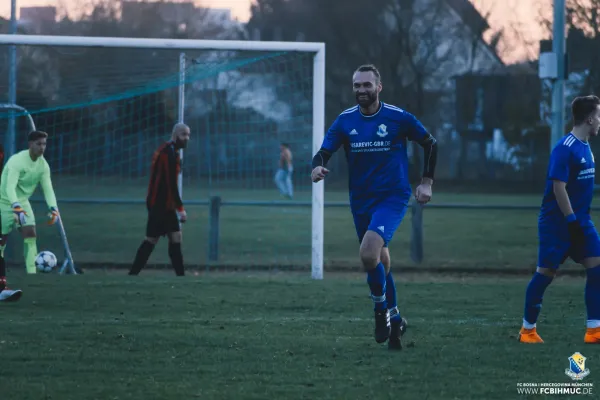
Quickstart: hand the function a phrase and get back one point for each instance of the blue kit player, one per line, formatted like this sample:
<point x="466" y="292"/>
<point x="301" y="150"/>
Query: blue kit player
<point x="564" y="226"/>
<point x="374" y="136"/>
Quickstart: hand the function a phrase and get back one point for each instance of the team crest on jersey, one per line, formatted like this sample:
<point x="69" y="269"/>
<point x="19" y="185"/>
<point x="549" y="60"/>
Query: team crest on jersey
<point x="382" y="130"/>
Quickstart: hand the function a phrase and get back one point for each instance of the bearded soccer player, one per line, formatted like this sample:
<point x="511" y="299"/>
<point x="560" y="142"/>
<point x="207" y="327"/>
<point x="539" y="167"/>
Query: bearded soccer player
<point x="565" y="227"/>
<point x="165" y="208"/>
<point x="20" y="177"/>
<point x="374" y="135"/>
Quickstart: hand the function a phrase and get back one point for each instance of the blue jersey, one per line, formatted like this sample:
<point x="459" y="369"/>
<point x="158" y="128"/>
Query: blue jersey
<point x="376" y="149"/>
<point x="572" y="162"/>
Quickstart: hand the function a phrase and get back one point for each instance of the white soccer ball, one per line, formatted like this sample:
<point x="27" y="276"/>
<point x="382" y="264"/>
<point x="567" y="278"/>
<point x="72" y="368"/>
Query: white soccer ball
<point x="45" y="261"/>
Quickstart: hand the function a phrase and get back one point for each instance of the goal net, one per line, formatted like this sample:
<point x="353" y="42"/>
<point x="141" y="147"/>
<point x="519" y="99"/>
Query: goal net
<point x="108" y="103"/>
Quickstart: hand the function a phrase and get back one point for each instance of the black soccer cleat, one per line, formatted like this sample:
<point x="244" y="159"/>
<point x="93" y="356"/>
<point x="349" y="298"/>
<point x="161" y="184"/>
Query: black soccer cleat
<point x="382" y="326"/>
<point x="398" y="329"/>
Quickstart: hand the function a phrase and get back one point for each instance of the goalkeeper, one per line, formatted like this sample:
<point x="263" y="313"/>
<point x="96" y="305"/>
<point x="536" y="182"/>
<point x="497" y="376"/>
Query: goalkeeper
<point x="20" y="177"/>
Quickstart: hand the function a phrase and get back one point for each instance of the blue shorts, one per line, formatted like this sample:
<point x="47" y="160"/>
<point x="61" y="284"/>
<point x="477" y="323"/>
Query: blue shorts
<point x="555" y="246"/>
<point x="380" y="215"/>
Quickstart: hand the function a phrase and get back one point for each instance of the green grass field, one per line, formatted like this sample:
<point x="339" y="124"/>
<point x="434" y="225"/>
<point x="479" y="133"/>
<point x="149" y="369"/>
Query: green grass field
<point x="280" y="236"/>
<point x="104" y="335"/>
<point x="256" y="335"/>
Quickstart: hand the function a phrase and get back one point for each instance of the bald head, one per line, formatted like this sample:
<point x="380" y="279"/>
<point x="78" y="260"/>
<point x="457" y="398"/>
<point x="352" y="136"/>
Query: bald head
<point x="181" y="135"/>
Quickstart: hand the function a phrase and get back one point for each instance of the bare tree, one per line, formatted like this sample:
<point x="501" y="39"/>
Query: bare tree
<point x="583" y="44"/>
<point x="418" y="46"/>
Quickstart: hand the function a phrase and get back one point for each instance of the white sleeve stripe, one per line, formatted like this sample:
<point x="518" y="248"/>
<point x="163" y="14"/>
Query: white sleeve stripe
<point x="569" y="141"/>
<point x="393" y="108"/>
<point x="350" y="110"/>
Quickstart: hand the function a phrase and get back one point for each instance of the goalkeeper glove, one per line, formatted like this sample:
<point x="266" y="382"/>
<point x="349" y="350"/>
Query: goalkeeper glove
<point x="53" y="215"/>
<point x="181" y="215"/>
<point x="19" y="214"/>
<point x="575" y="230"/>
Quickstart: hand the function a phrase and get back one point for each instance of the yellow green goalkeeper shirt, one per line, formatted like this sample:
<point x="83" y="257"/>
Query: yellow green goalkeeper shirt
<point x="20" y="177"/>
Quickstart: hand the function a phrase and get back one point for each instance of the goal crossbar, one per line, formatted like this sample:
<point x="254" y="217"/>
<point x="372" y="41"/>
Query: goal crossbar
<point x="159" y="43"/>
<point x="318" y="117"/>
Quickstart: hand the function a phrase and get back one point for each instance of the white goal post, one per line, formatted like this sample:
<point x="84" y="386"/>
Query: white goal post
<point x="318" y="114"/>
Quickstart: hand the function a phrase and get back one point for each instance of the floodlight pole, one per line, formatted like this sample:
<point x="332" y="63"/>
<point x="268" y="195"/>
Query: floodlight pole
<point x="558" y="87"/>
<point x="9" y="144"/>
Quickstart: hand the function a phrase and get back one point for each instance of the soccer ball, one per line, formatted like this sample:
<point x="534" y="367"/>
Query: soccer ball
<point x="45" y="261"/>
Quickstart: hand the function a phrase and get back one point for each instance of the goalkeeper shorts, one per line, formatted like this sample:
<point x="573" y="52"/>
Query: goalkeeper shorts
<point x="8" y="217"/>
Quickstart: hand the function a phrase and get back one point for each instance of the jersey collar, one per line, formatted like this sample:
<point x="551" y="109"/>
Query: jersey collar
<point x="579" y="140"/>
<point x="372" y="115"/>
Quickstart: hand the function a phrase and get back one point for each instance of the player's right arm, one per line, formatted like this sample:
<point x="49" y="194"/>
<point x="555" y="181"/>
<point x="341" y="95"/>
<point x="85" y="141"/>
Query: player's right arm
<point x="13" y="171"/>
<point x="559" y="172"/>
<point x="331" y="143"/>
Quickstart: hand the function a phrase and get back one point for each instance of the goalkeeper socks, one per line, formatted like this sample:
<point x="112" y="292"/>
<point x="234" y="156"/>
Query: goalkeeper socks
<point x="141" y="257"/>
<point x="176" y="258"/>
<point x="376" y="281"/>
<point x="30" y="252"/>
<point x="592" y="297"/>
<point x="533" y="299"/>
<point x="390" y="294"/>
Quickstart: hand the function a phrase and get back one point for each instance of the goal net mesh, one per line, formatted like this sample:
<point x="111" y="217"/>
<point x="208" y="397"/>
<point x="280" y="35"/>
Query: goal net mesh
<point x="107" y="110"/>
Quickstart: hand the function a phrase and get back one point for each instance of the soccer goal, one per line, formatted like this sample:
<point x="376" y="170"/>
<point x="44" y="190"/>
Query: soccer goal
<point x="107" y="103"/>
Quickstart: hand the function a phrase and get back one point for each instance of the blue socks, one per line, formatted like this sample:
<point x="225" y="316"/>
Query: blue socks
<point x="383" y="291"/>
<point x="392" y="303"/>
<point x="533" y="298"/>
<point x="539" y="283"/>
<point x="377" y="284"/>
<point x="592" y="296"/>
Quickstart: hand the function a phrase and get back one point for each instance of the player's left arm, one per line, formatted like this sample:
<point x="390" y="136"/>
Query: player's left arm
<point x="171" y="166"/>
<point x="288" y="159"/>
<point x="49" y="195"/>
<point x="419" y="134"/>
<point x="559" y="172"/>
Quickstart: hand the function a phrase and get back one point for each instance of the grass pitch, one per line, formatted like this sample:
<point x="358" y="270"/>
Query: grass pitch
<point x="104" y="335"/>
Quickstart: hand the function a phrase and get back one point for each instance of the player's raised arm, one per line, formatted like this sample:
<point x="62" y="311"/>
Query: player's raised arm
<point x="419" y="134"/>
<point x="334" y="138"/>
